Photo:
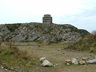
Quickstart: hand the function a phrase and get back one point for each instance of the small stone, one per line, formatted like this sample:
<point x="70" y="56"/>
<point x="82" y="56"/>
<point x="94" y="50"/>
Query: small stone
<point x="91" y="61"/>
<point x="74" y="61"/>
<point x="42" y="59"/>
<point x="68" y="61"/>
<point x="68" y="64"/>
<point x="78" y="59"/>
<point x="82" y="62"/>
<point x="84" y="58"/>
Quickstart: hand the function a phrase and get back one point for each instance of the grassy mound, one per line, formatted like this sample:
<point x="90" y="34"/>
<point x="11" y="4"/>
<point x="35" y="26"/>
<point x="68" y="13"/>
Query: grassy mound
<point x="84" y="44"/>
<point x="15" y="59"/>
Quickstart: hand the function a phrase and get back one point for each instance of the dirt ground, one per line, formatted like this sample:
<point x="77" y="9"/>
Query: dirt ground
<point x="56" y="54"/>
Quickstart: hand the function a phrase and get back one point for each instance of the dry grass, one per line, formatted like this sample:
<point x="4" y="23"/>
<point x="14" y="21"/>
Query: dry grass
<point x="14" y="60"/>
<point x="57" y="56"/>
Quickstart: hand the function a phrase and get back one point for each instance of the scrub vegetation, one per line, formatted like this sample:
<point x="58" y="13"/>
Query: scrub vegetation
<point x="84" y="44"/>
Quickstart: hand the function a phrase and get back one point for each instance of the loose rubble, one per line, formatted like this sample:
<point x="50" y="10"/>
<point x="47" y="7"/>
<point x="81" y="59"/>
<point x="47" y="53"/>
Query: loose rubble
<point x="76" y="61"/>
<point x="82" y="61"/>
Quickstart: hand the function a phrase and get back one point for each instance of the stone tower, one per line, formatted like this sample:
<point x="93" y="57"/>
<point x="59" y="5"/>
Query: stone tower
<point x="47" y="19"/>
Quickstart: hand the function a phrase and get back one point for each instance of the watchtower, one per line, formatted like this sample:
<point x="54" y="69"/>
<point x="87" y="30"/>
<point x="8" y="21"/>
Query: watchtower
<point x="47" y="19"/>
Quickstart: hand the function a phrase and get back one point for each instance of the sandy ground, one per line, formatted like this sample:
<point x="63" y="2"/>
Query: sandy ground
<point x="57" y="55"/>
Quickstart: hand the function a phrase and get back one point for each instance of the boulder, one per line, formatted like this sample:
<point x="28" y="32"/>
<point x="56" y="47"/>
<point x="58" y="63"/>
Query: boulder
<point x="82" y="62"/>
<point x="74" y="61"/>
<point x="46" y="63"/>
<point x="91" y="61"/>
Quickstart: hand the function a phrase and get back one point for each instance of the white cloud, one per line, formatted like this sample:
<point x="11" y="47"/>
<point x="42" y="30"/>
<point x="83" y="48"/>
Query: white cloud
<point x="55" y="7"/>
<point x="85" y="20"/>
<point x="80" y="13"/>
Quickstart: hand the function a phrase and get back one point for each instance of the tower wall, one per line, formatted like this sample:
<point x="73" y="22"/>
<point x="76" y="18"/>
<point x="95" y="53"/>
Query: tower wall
<point x="47" y="19"/>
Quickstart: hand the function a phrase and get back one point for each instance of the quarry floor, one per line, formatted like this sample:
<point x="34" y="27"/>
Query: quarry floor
<point x="56" y="54"/>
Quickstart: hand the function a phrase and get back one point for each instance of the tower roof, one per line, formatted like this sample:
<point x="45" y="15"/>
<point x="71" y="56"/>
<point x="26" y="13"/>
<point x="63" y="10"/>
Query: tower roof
<point x="47" y="15"/>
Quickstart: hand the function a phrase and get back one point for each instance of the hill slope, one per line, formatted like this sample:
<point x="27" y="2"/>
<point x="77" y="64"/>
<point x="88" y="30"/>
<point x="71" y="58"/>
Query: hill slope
<point x="40" y="32"/>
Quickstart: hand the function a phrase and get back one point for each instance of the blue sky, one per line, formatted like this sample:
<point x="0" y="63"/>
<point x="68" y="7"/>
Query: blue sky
<point x="80" y="13"/>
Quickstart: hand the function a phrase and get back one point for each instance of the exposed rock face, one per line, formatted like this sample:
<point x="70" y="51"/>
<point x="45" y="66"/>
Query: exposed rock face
<point x="41" y="32"/>
<point x="3" y="31"/>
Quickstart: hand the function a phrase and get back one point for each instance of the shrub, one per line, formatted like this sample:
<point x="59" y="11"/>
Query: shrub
<point x="84" y="44"/>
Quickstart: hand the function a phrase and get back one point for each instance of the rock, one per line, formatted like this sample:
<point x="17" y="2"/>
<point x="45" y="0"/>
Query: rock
<point x="78" y="59"/>
<point x="84" y="58"/>
<point x="82" y="62"/>
<point x="91" y="61"/>
<point x="42" y="59"/>
<point x="46" y="63"/>
<point x="74" y="61"/>
<point x="68" y="61"/>
<point x="68" y="64"/>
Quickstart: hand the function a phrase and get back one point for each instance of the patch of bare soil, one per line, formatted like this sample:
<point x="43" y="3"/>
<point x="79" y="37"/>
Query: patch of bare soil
<point x="57" y="56"/>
